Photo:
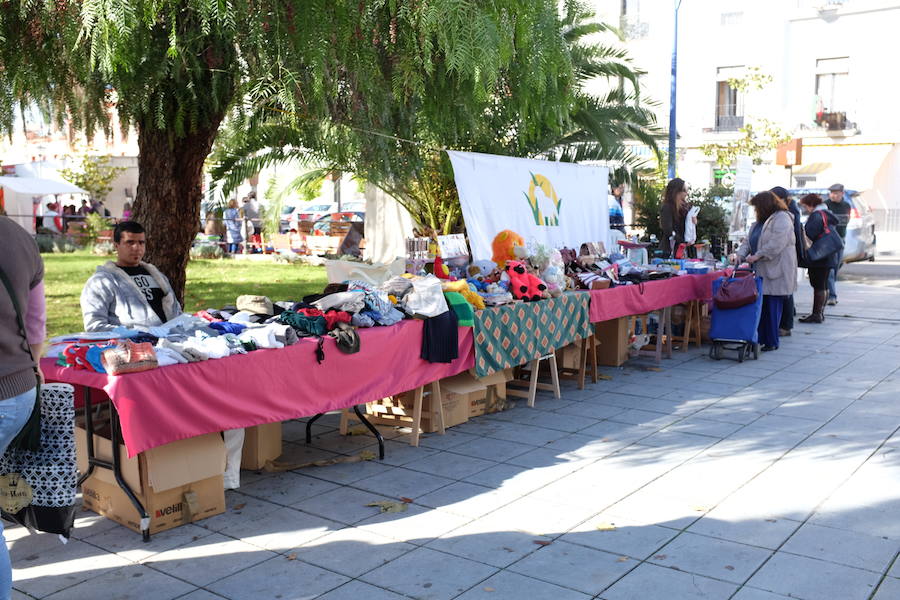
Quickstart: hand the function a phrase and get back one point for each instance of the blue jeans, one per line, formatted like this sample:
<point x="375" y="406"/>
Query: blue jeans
<point x="772" y="307"/>
<point x="14" y="413"/>
<point x="832" y="275"/>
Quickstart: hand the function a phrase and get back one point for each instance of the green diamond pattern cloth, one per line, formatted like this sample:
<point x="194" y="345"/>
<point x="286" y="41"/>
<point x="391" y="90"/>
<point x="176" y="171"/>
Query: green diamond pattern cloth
<point x="514" y="334"/>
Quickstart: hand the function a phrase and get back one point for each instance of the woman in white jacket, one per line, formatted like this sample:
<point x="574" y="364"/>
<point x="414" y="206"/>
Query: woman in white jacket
<point x="770" y="250"/>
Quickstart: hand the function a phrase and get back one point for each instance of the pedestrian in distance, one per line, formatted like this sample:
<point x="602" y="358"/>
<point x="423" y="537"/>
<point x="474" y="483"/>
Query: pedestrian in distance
<point x="233" y="225"/>
<point x="819" y="219"/>
<point x="770" y="251"/>
<point x="840" y="208"/>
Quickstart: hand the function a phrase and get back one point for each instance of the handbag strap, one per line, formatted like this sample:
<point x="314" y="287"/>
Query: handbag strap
<point x="824" y="223"/>
<point x="19" y="320"/>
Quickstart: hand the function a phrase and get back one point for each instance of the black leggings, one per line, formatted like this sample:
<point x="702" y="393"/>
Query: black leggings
<point x="818" y="278"/>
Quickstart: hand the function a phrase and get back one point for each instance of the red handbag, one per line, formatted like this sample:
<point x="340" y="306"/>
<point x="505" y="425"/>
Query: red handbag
<point x="736" y="292"/>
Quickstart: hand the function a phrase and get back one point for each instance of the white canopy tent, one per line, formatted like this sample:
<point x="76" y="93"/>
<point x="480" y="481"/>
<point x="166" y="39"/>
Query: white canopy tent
<point x="21" y="194"/>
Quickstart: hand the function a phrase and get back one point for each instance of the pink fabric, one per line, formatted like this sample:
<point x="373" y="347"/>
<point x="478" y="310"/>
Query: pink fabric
<point x="181" y="401"/>
<point x="628" y="300"/>
<point x="36" y="315"/>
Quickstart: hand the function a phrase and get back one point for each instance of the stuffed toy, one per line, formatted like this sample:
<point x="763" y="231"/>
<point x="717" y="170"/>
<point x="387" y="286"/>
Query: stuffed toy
<point x="462" y="287"/>
<point x="441" y="271"/>
<point x="523" y="284"/>
<point x="507" y="245"/>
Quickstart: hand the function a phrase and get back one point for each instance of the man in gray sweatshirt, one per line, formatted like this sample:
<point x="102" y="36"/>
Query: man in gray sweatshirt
<point x="128" y="292"/>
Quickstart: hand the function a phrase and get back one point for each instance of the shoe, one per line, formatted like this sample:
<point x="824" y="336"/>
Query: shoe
<point x="784" y="332"/>
<point x="818" y="312"/>
<point x="769" y="348"/>
<point x="832" y="302"/>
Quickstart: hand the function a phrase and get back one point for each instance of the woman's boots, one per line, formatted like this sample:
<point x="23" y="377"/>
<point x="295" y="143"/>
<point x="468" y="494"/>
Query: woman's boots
<point x="818" y="312"/>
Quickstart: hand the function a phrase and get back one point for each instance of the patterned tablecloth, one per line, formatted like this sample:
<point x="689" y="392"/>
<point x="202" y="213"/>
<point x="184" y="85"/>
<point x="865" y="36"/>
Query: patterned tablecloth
<point x="514" y="334"/>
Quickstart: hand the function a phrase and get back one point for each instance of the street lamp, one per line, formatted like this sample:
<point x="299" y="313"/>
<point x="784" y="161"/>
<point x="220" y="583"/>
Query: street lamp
<point x="672" y="130"/>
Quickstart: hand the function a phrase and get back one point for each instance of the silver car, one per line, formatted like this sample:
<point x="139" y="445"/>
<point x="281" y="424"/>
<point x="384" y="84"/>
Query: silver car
<point x="859" y="244"/>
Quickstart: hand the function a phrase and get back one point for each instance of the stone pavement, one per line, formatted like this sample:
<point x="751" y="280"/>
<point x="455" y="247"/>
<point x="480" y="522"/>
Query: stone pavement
<point x="716" y="480"/>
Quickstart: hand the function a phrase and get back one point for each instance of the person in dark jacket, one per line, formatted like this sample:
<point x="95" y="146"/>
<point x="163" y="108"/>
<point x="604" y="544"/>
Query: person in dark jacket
<point x="787" y="314"/>
<point x="840" y="208"/>
<point x="672" y="212"/>
<point x="818" y="220"/>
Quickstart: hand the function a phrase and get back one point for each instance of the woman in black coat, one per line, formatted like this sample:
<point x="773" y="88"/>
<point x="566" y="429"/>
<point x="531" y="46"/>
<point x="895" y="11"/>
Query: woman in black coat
<point x="672" y="212"/>
<point x="819" y="220"/>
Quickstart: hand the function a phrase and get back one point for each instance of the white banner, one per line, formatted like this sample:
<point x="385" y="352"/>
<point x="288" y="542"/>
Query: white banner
<point x="554" y="203"/>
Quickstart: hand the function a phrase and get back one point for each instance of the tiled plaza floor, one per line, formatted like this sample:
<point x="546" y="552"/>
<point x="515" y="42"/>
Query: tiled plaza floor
<point x="764" y="480"/>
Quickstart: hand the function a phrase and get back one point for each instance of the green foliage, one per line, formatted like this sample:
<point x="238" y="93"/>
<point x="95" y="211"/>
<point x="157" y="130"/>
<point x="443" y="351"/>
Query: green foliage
<point x="646" y="193"/>
<point x="712" y="222"/>
<point x="48" y="243"/>
<point x="758" y="138"/>
<point x="94" y="225"/>
<point x="534" y="106"/>
<point x="93" y="174"/>
<point x="207" y="251"/>
<point x="270" y="213"/>
<point x="754" y="79"/>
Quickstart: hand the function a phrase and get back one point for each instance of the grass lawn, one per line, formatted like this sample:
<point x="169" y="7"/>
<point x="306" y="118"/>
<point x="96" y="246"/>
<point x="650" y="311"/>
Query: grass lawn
<point x="210" y="284"/>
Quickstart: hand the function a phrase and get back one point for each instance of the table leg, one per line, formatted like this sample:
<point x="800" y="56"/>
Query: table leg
<point x="373" y="429"/>
<point x="309" y="423"/>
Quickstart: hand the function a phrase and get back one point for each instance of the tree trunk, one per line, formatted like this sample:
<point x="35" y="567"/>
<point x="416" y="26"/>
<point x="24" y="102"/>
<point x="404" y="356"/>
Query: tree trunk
<point x="169" y="192"/>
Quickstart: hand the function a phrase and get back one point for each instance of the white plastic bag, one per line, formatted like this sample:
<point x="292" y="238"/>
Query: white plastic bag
<point x="690" y="230"/>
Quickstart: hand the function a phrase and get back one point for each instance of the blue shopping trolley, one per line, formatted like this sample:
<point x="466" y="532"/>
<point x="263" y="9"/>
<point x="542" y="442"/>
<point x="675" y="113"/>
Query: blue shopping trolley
<point x="736" y="329"/>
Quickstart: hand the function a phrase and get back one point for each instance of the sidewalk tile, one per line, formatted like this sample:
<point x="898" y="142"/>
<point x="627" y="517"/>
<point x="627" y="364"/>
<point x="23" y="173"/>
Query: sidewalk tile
<point x="844" y="547"/>
<point x="803" y="577"/>
<point x="747" y="593"/>
<point x="578" y="567"/>
<point x="492" y="449"/>
<point x="282" y="529"/>
<point x="131" y="546"/>
<point x="418" y="525"/>
<point x="620" y="536"/>
<point x="40" y="573"/>
<point x="286" y="488"/>
<point x="745" y="527"/>
<point x="345" y="505"/>
<point x="888" y="590"/>
<point x="208" y="559"/>
<point x="278" y="577"/>
<point x="467" y="499"/>
<point x="351" y="551"/>
<point x="357" y="590"/>
<point x="483" y="542"/>
<point x="449" y="465"/>
<point x="142" y="581"/>
<point x="650" y="581"/>
<point x="512" y="586"/>
<point x="719" y="559"/>
<point x="401" y="482"/>
<point x="429" y="575"/>
<point x="344" y="473"/>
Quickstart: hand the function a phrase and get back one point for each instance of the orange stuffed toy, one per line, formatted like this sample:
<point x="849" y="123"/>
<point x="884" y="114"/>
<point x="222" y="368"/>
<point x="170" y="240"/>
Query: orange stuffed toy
<point x="504" y="247"/>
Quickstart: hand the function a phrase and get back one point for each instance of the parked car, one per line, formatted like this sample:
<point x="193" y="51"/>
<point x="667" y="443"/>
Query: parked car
<point x="323" y="225"/>
<point x="859" y="243"/>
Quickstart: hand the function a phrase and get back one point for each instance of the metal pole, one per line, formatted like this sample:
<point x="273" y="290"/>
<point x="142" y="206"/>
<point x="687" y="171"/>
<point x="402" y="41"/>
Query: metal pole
<point x="672" y="129"/>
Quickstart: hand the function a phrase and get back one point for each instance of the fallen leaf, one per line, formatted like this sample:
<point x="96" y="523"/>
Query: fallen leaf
<point x="406" y="500"/>
<point x="657" y="369"/>
<point x="488" y="589"/>
<point x="729" y="567"/>
<point x="292" y="557"/>
<point x="700" y="508"/>
<point x="771" y="520"/>
<point x="359" y="430"/>
<point x="661" y="557"/>
<point x="604" y="377"/>
<point x="622" y="559"/>
<point x="388" y="506"/>
<point x="542" y="542"/>
<point x="606" y="527"/>
<point x="239" y="506"/>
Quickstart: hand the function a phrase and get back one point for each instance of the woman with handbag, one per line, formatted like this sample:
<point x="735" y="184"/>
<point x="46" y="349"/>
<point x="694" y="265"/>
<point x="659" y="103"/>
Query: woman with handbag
<point x="821" y="229"/>
<point x="770" y="250"/>
<point x="22" y="330"/>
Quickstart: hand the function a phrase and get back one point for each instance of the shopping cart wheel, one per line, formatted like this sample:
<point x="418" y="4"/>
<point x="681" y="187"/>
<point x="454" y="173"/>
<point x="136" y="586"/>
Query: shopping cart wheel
<point x="755" y="351"/>
<point x="715" y="351"/>
<point x="742" y="351"/>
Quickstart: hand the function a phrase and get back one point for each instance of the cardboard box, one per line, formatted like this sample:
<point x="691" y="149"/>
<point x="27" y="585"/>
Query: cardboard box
<point x="177" y="483"/>
<point x="493" y="398"/>
<point x="261" y="443"/>
<point x="398" y="410"/>
<point x="612" y="342"/>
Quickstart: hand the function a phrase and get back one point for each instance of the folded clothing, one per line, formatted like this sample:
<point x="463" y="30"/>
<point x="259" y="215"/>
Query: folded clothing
<point x="128" y="357"/>
<point x="227" y="327"/>
<point x="166" y="357"/>
<point x="351" y="302"/>
<point x="303" y="325"/>
<point x="261" y="337"/>
<point x="284" y="333"/>
<point x="465" y="314"/>
<point x="188" y="349"/>
<point x="440" y="338"/>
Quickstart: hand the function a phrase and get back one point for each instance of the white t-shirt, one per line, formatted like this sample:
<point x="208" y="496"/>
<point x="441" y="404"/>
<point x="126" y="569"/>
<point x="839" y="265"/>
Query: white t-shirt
<point x="50" y="221"/>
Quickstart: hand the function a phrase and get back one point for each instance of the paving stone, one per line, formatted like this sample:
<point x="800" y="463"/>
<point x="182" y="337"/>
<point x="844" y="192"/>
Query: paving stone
<point x="40" y="573"/>
<point x="429" y="575"/>
<point x="344" y="473"/>
<point x="584" y="569"/>
<point x="651" y="581"/>
<point x="355" y="590"/>
<point x="351" y="551"/>
<point x="718" y="559"/>
<point x="492" y="449"/>
<point x="201" y="595"/>
<point x="281" y="530"/>
<point x="802" y="577"/>
<point x="131" y="546"/>
<point x="286" y="488"/>
<point x="745" y="527"/>
<point x="843" y="547"/>
<point x="345" y="505"/>
<point x="888" y="590"/>
<point x="482" y="542"/>
<point x="208" y="559"/>
<point x="538" y="517"/>
<point x="467" y="499"/>
<point x="278" y="577"/>
<point x="449" y="465"/>
<point x="418" y="525"/>
<point x="747" y="593"/>
<point x="401" y="482"/>
<point x="513" y="586"/>
<point x="620" y="536"/>
<point x="134" y="582"/>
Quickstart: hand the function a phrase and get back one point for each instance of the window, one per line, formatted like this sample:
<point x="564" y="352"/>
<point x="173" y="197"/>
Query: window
<point x="832" y="85"/>
<point x="729" y="103"/>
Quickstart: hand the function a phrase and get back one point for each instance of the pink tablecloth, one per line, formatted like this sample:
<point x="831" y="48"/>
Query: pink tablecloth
<point x="181" y="401"/>
<point x="628" y="300"/>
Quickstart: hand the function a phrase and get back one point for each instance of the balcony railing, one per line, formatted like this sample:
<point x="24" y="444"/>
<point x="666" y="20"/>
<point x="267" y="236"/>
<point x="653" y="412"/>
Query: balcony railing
<point x="726" y="122"/>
